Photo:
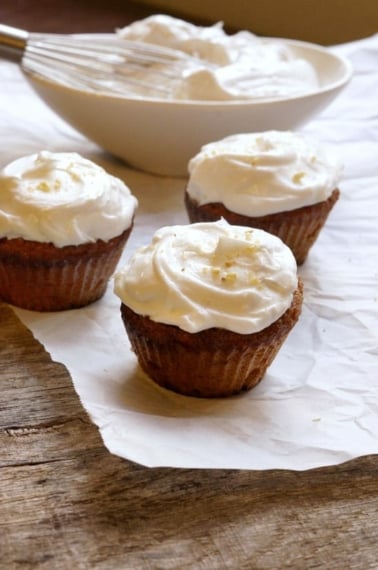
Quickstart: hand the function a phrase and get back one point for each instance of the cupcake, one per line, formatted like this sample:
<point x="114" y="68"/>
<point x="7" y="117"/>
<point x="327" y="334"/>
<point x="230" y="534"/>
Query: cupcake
<point x="207" y="306"/>
<point x="64" y="222"/>
<point x="278" y="181"/>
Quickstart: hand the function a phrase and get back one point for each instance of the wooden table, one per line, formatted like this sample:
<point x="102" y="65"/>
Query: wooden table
<point x="67" y="503"/>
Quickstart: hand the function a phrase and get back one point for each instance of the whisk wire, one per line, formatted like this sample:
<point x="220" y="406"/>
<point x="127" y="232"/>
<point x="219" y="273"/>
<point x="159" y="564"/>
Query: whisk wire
<point x="98" y="63"/>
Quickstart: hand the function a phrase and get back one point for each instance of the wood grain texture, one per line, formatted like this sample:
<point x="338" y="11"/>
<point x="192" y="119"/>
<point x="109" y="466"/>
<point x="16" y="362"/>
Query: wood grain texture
<point x="67" y="503"/>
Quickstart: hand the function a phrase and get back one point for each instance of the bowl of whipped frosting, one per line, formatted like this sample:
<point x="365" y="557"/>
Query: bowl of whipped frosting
<point x="231" y="83"/>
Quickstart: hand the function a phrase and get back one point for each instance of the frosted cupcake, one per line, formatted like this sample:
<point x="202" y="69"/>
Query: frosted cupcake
<point x="64" y="222"/>
<point x="207" y="306"/>
<point x="278" y="181"/>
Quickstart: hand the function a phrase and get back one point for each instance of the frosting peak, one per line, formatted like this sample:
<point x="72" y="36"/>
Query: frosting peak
<point x="62" y="198"/>
<point x="208" y="275"/>
<point x="263" y="173"/>
<point x="226" y="67"/>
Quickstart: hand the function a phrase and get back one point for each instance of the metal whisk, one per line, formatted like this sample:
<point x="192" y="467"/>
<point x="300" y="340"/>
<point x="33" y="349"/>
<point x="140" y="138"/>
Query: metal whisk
<point x="99" y="63"/>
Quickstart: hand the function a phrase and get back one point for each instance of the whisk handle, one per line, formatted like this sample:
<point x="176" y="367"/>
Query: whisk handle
<point x="12" y="42"/>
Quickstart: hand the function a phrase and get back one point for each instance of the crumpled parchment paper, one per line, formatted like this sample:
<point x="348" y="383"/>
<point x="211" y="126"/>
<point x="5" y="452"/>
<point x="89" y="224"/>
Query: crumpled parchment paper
<point x="318" y="403"/>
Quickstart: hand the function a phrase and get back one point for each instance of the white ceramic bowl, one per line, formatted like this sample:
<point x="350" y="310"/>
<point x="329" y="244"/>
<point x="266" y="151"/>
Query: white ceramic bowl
<point x="160" y="136"/>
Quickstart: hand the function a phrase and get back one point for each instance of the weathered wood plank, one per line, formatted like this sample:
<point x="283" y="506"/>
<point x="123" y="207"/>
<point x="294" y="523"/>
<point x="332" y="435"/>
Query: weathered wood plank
<point x="67" y="503"/>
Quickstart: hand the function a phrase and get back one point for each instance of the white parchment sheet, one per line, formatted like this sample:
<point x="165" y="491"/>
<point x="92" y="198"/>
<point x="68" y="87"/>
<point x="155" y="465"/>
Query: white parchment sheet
<point x="318" y="403"/>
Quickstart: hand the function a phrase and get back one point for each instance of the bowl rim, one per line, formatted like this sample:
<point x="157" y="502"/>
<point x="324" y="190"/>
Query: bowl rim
<point x="346" y="75"/>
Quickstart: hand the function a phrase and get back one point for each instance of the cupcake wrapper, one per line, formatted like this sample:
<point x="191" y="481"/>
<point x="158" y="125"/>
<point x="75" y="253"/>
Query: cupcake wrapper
<point x="212" y="363"/>
<point x="298" y="228"/>
<point x="41" y="277"/>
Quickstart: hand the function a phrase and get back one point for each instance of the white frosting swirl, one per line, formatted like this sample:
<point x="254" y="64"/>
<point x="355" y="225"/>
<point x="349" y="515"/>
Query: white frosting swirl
<point x="242" y="65"/>
<point x="64" y="199"/>
<point x="208" y="275"/>
<point x="263" y="173"/>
